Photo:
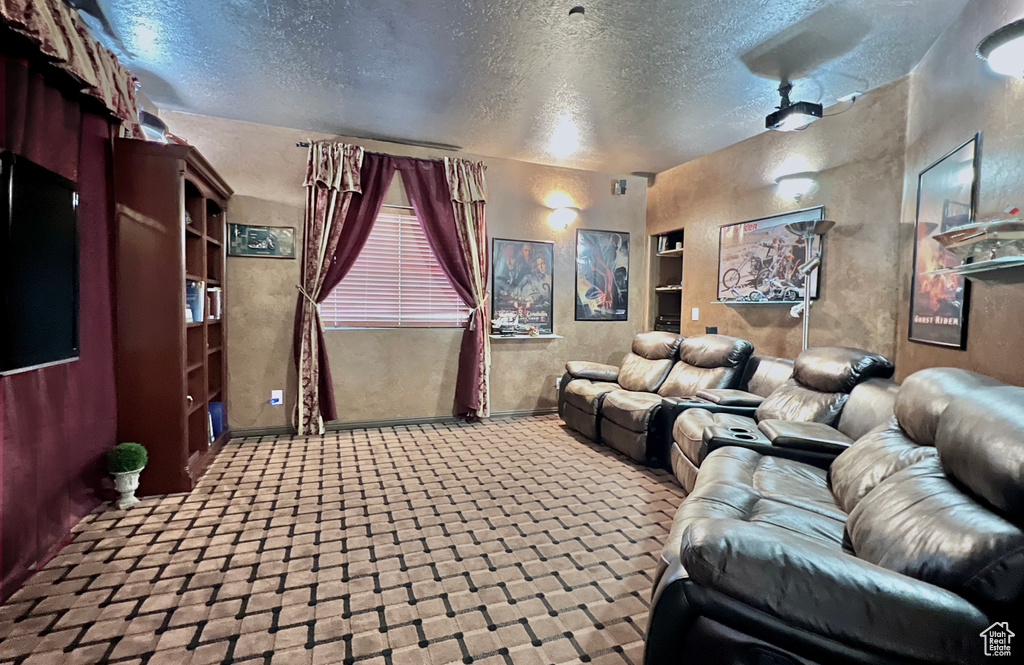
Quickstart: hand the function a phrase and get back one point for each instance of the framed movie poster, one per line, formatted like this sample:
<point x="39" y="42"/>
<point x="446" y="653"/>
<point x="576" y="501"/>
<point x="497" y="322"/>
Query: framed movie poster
<point x="947" y="193"/>
<point x="602" y="275"/>
<point x="758" y="260"/>
<point x="522" y="279"/>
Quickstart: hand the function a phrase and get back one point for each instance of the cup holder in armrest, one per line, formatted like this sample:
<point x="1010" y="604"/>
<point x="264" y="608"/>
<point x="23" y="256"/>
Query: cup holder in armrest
<point x="745" y="437"/>
<point x="741" y="430"/>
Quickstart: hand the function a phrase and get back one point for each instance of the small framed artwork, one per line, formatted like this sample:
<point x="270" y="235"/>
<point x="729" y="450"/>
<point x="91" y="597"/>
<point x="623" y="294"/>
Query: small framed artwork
<point x="271" y="242"/>
<point x="602" y="275"/>
<point x="522" y="281"/>
<point x="947" y="194"/>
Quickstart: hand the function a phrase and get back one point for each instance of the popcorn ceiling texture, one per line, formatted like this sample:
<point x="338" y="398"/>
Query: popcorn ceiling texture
<point x="396" y="546"/>
<point x="649" y="84"/>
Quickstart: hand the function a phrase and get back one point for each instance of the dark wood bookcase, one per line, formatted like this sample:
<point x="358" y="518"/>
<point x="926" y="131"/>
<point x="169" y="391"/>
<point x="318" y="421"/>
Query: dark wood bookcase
<point x="171" y="230"/>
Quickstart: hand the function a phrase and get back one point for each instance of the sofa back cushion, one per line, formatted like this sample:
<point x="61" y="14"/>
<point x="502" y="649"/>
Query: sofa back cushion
<point x="919" y="523"/>
<point x="836" y="369"/>
<point x="792" y="401"/>
<point x="645" y="368"/>
<point x="924" y="396"/>
<point x="871" y="404"/>
<point x="765" y="373"/>
<point x="707" y="362"/>
<point x="874" y="457"/>
<point x="980" y="440"/>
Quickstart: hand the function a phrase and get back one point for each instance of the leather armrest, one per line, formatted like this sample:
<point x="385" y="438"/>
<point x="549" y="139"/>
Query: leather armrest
<point x="677" y="405"/>
<point x="729" y="397"/>
<point x="815" y="437"/>
<point x="580" y="369"/>
<point x="823" y="591"/>
<point x="716" y="437"/>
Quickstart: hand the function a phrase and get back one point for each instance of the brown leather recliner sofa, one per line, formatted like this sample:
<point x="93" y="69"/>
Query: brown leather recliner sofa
<point x="904" y="551"/>
<point x="585" y="384"/>
<point x="631" y="420"/>
<point x="801" y="413"/>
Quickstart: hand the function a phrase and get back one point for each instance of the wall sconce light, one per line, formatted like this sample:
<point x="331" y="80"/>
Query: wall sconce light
<point x="561" y="218"/>
<point x="1004" y="50"/>
<point x="796" y="185"/>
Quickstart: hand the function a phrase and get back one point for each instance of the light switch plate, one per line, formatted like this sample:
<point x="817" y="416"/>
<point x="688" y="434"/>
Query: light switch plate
<point x="276" y="397"/>
<point x="695" y="314"/>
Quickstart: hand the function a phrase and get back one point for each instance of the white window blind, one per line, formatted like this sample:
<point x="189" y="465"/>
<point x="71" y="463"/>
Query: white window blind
<point x="396" y="282"/>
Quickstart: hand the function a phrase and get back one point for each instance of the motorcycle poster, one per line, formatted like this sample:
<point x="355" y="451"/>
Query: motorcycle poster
<point x="758" y="260"/>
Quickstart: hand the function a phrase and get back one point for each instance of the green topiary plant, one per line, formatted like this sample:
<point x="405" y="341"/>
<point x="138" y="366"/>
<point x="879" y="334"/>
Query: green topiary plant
<point x="126" y="457"/>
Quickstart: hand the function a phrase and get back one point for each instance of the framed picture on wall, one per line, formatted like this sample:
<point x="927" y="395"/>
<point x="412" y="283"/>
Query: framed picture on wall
<point x="522" y="286"/>
<point x="947" y="194"/>
<point x="758" y="260"/>
<point x="271" y="242"/>
<point x="602" y="275"/>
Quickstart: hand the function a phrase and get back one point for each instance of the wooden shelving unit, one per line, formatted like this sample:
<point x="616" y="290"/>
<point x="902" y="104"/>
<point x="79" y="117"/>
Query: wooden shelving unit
<point x="665" y="281"/>
<point x="172" y="216"/>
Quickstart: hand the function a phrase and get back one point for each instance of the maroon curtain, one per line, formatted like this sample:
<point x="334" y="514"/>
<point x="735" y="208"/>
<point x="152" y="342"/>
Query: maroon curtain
<point x="376" y="174"/>
<point x="57" y="422"/>
<point x="427" y="186"/>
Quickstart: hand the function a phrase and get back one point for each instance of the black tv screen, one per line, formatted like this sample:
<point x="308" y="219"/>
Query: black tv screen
<point x="38" y="266"/>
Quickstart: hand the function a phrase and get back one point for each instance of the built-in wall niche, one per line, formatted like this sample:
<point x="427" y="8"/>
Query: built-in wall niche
<point x="665" y="281"/>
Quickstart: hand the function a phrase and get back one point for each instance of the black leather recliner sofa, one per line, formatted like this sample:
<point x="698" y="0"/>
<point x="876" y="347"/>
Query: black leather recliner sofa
<point x="903" y="551"/>
<point x="809" y="403"/>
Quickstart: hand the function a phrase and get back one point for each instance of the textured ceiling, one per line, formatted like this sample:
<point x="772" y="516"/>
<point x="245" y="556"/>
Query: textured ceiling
<point x="643" y="85"/>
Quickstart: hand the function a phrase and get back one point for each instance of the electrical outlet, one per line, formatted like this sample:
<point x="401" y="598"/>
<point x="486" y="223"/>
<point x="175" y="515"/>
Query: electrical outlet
<point x="695" y="314"/>
<point x="276" y="397"/>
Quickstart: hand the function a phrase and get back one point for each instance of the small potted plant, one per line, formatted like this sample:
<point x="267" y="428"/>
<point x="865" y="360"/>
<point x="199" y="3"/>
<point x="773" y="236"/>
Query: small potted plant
<point x="125" y="462"/>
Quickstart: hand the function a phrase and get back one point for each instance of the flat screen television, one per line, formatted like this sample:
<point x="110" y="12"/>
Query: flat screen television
<point x="38" y="266"/>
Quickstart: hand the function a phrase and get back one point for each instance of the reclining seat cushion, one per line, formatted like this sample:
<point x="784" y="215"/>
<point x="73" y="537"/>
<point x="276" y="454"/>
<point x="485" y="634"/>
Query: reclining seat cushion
<point x="644" y="369"/>
<point x="582" y="406"/>
<point x="707" y="361"/>
<point x="629" y="409"/>
<point x="742" y="502"/>
<point x="582" y="369"/>
<point x="924" y="396"/>
<point x="871" y="404"/>
<point x="688" y="430"/>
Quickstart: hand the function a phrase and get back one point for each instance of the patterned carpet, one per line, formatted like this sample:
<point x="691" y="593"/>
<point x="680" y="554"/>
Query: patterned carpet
<point x="511" y="541"/>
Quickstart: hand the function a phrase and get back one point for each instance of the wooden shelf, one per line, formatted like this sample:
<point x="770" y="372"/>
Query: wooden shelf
<point x="194" y="366"/>
<point x="212" y="282"/>
<point x="215" y="393"/>
<point x="669" y="253"/>
<point x="196" y="405"/>
<point x="194" y="324"/>
<point x="674" y="288"/>
<point x="194" y="278"/>
<point x="193" y="232"/>
<point x="213" y="349"/>
<point x="552" y="336"/>
<point x="213" y="241"/>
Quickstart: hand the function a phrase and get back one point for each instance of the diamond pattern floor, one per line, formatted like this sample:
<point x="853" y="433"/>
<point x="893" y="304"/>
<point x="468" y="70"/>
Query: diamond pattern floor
<point x="501" y="542"/>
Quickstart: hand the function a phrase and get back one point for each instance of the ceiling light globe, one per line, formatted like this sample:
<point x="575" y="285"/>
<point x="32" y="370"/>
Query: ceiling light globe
<point x="1004" y="50"/>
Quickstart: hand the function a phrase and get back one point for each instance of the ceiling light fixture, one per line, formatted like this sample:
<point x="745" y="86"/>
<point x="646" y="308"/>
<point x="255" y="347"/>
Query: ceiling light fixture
<point x="1004" y="50"/>
<point x="796" y="185"/>
<point x="792" y="116"/>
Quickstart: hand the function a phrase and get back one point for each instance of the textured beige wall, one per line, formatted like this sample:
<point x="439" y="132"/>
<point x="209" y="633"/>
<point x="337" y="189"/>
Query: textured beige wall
<point x="380" y="374"/>
<point x="953" y="94"/>
<point x="858" y="157"/>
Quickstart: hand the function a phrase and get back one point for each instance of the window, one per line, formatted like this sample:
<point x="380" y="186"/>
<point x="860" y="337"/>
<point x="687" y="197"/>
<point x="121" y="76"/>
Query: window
<point x="396" y="282"/>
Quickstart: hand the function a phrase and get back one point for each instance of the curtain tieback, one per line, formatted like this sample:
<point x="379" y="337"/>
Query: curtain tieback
<point x="474" y="314"/>
<point x="308" y="297"/>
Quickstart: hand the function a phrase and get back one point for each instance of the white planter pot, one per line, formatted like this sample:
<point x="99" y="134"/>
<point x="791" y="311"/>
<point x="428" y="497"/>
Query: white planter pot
<point x="126" y="483"/>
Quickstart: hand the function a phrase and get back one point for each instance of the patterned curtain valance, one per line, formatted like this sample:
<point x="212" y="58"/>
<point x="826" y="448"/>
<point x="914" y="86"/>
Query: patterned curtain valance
<point x="67" y="44"/>
<point x="466" y="180"/>
<point x="334" y="166"/>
